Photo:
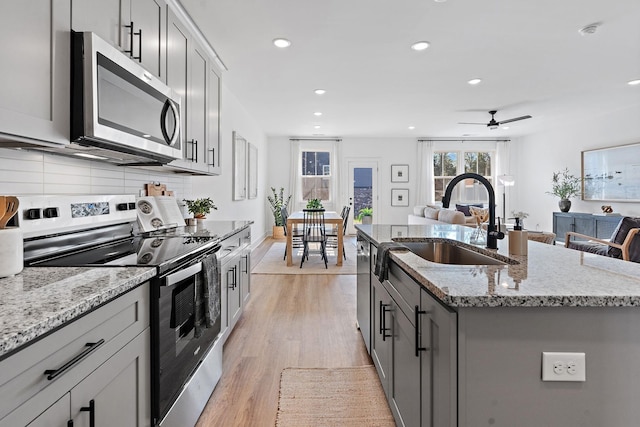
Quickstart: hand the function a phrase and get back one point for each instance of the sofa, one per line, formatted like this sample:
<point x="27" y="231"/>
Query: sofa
<point x="438" y="215"/>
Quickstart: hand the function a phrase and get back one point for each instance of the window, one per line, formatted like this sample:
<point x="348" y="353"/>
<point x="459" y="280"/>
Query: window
<point x="447" y="165"/>
<point x="316" y="175"/>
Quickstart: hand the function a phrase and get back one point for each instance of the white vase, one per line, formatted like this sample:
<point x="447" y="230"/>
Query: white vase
<point x="11" y="251"/>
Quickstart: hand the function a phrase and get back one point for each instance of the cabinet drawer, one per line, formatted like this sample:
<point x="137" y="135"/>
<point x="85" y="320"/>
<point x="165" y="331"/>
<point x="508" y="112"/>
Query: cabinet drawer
<point x="22" y="375"/>
<point x="403" y="289"/>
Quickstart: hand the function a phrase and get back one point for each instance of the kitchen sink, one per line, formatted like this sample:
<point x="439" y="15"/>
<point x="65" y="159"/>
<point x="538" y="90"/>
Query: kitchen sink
<point x="449" y="253"/>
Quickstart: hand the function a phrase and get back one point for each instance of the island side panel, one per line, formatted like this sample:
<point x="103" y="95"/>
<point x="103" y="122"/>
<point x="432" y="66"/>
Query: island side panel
<point x="500" y="366"/>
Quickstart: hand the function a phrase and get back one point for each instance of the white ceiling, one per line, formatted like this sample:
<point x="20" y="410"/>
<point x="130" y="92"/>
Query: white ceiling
<point x="529" y="54"/>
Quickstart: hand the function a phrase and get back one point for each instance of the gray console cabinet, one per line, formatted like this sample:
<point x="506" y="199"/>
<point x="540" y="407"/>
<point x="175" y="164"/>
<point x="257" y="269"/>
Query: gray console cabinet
<point x="115" y="376"/>
<point x="601" y="227"/>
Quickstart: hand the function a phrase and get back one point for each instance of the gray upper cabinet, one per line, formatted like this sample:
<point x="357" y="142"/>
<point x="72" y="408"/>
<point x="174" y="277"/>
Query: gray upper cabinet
<point x="143" y="33"/>
<point x="99" y="16"/>
<point x="134" y="26"/>
<point x="34" y="93"/>
<point x="192" y="74"/>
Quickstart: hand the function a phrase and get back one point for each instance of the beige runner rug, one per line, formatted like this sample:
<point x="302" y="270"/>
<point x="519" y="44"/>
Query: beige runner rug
<point x="273" y="262"/>
<point x="332" y="397"/>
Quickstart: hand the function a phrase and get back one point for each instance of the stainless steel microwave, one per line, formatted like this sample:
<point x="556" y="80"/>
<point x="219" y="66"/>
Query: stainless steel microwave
<point x="119" y="111"/>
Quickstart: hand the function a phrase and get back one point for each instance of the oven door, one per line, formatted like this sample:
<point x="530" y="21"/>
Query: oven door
<point x="184" y="334"/>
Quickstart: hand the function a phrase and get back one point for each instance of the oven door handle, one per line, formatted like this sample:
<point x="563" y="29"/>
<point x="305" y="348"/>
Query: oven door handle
<point x="178" y="276"/>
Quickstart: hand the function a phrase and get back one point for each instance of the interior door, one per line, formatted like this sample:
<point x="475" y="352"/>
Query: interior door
<point x="363" y="192"/>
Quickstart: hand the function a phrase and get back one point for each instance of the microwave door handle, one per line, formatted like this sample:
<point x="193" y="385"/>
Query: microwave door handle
<point x="169" y="104"/>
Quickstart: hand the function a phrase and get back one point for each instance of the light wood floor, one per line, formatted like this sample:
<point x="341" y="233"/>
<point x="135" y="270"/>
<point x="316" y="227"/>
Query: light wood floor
<point x="290" y="321"/>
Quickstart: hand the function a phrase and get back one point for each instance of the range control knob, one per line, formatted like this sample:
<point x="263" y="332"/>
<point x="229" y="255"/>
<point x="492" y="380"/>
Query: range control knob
<point x="51" y="213"/>
<point x="132" y="206"/>
<point x="122" y="207"/>
<point x="33" y="213"/>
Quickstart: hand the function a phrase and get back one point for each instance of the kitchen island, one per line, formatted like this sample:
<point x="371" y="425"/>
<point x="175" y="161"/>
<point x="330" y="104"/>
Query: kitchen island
<point x="479" y="331"/>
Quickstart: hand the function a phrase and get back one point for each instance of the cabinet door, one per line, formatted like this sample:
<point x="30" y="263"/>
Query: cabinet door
<point x="437" y="327"/>
<point x="363" y="291"/>
<point x="562" y="223"/>
<point x="118" y="391"/>
<point x="234" y="296"/>
<point x="405" y="381"/>
<point x="381" y="334"/>
<point x="34" y="93"/>
<point x="57" y="415"/>
<point x="197" y="109"/>
<point x="99" y="16"/>
<point x="585" y="224"/>
<point x="213" y="121"/>
<point x="144" y="41"/>
<point x="245" y="275"/>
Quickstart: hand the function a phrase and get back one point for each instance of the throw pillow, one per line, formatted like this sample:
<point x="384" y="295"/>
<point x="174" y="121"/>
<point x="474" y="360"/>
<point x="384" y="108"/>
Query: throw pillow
<point x="620" y="233"/>
<point x="418" y="210"/>
<point x="465" y="208"/>
<point x="431" y="213"/>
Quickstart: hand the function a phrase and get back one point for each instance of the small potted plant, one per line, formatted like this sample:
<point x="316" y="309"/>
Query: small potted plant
<point x="200" y="207"/>
<point x="565" y="186"/>
<point x="277" y="202"/>
<point x="314" y="204"/>
<point x="366" y="215"/>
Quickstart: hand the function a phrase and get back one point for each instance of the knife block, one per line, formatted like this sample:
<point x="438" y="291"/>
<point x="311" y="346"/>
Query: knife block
<point x="11" y="251"/>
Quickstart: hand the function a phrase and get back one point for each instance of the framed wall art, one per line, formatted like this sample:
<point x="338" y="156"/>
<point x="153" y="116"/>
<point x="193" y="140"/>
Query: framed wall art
<point x="399" y="197"/>
<point x="239" y="167"/>
<point x="611" y="174"/>
<point x="253" y="171"/>
<point x="399" y="173"/>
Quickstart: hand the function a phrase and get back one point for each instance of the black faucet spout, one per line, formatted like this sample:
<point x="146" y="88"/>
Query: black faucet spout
<point x="492" y="233"/>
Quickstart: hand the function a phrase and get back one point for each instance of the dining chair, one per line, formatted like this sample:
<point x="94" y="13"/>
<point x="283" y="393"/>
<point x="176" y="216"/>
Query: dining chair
<point x="314" y="232"/>
<point x="332" y="236"/>
<point x="296" y="233"/>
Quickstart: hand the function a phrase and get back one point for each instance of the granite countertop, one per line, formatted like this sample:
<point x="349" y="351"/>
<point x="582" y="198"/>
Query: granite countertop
<point x="549" y="276"/>
<point x="40" y="299"/>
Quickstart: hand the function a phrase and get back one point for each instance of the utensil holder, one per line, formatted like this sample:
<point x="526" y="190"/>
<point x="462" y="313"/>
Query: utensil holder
<point x="11" y="251"/>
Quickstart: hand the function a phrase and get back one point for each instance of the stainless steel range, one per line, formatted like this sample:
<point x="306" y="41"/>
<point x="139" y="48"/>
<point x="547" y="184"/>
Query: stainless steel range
<point x="186" y="354"/>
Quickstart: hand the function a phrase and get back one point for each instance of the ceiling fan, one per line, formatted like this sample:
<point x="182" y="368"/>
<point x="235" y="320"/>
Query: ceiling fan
<point x="493" y="124"/>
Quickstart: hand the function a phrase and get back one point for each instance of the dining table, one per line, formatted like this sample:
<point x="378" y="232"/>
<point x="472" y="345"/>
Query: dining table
<point x="330" y="218"/>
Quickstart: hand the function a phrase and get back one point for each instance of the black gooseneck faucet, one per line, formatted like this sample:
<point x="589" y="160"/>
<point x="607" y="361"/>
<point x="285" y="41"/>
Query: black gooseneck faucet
<point x="492" y="234"/>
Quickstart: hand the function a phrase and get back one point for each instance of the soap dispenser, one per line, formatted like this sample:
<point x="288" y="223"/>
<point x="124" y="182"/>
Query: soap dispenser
<point x="518" y="240"/>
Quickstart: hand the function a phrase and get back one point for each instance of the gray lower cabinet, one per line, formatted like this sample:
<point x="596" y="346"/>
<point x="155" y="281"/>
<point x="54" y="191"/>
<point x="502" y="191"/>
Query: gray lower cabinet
<point x="95" y="366"/>
<point x="35" y="69"/>
<point x="235" y="278"/>
<point x="363" y="289"/>
<point x="413" y="346"/>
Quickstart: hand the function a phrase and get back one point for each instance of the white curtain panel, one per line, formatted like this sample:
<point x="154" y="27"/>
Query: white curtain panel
<point x="425" y="188"/>
<point x="294" y="178"/>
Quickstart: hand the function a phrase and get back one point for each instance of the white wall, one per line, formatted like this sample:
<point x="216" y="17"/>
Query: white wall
<point x="536" y="157"/>
<point x="235" y="118"/>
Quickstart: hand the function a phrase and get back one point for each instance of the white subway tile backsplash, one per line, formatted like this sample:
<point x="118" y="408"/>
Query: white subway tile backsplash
<point x="24" y="172"/>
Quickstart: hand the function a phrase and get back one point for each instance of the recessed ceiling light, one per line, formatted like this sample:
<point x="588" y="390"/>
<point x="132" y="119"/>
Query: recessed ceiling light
<point x="634" y="82"/>
<point x="316" y="127"/>
<point x="440" y="1"/>
<point x="320" y="91"/>
<point x="412" y="127"/>
<point x="420" y="45"/>
<point x="474" y="81"/>
<point x="280" y="42"/>
<point x="317" y="113"/>
<point x="505" y="127"/>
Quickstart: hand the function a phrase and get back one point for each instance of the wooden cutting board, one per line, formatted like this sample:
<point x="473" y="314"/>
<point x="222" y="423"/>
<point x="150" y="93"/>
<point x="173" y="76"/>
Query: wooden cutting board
<point x="156" y="189"/>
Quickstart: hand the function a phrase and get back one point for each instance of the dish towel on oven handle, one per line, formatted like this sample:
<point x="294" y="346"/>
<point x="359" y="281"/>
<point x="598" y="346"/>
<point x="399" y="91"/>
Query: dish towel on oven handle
<point x="211" y="289"/>
<point x="382" y="262"/>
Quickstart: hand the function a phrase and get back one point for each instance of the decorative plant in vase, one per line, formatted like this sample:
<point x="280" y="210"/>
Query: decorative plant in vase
<point x="277" y="202"/>
<point x="366" y="215"/>
<point x="565" y="186"/>
<point x="200" y="207"/>
<point x="314" y="204"/>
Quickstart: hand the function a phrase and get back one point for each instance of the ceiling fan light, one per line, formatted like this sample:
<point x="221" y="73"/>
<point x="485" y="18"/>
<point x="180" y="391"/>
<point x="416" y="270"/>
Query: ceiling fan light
<point x="493" y="126"/>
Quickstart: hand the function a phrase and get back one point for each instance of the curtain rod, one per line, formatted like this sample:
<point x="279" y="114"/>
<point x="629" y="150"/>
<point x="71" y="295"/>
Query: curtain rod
<point x="463" y="140"/>
<point x="316" y="139"/>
